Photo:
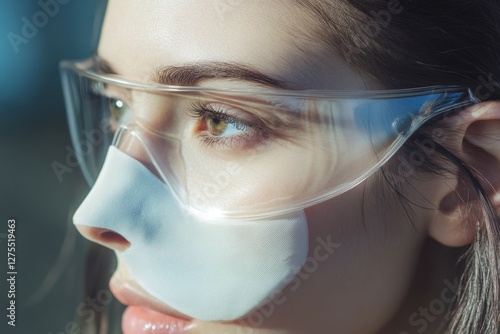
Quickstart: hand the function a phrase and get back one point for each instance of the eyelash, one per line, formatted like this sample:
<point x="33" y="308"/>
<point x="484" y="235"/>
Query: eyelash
<point x="255" y="132"/>
<point x="254" y="136"/>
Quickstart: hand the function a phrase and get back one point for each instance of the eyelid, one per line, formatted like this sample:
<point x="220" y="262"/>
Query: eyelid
<point x="252" y="130"/>
<point x="271" y="112"/>
<point x="267" y="117"/>
<point x="231" y="112"/>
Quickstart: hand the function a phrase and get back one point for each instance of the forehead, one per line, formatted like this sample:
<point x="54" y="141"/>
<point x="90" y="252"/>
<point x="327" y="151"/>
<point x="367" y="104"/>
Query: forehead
<point x="270" y="35"/>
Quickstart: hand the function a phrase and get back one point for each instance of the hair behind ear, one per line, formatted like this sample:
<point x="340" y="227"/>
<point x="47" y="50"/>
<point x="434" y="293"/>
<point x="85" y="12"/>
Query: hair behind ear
<point x="471" y="147"/>
<point x="425" y="43"/>
<point x="477" y="305"/>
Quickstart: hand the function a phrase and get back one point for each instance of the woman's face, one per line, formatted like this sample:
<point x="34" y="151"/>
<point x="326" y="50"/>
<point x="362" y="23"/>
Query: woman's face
<point x="362" y="248"/>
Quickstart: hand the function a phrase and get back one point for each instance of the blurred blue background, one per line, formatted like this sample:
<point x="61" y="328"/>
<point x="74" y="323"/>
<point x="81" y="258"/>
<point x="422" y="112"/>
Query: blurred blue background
<point x="33" y="134"/>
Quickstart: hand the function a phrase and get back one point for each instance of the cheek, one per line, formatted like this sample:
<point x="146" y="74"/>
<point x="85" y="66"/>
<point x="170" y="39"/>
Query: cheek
<point x="279" y="176"/>
<point x="358" y="269"/>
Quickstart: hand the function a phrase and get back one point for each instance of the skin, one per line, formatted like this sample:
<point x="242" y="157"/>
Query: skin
<point x="359" y="287"/>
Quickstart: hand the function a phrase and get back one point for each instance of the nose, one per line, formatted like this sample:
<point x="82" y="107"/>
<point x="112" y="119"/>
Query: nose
<point x="104" y="237"/>
<point x="127" y="142"/>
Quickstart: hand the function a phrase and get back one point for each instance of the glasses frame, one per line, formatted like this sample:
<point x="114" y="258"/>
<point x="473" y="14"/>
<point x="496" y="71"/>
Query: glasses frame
<point x="89" y="69"/>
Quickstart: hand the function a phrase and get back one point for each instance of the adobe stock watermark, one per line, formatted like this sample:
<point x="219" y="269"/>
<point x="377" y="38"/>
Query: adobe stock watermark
<point x="31" y="26"/>
<point x="380" y="20"/>
<point x="324" y="249"/>
<point x="221" y="181"/>
<point x="223" y="7"/>
<point x="486" y="88"/>
<point x="425" y="315"/>
<point x="407" y="165"/>
<point x="426" y="148"/>
<point x="87" y="311"/>
<point x="3" y="236"/>
<point x="86" y="147"/>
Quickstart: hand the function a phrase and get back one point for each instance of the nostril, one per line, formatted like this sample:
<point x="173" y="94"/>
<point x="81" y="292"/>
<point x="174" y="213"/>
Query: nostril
<point x="104" y="237"/>
<point x="113" y="238"/>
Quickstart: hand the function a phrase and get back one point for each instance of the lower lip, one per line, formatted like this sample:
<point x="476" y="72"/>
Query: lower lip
<point x="139" y="320"/>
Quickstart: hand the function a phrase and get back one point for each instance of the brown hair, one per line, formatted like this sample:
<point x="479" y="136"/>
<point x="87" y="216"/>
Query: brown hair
<point x="415" y="43"/>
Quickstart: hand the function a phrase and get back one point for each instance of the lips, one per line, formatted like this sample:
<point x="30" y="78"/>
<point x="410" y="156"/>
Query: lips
<point x="138" y="320"/>
<point x="145" y="314"/>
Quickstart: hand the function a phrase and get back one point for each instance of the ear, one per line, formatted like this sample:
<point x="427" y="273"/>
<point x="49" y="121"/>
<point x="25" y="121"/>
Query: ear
<point x="473" y="136"/>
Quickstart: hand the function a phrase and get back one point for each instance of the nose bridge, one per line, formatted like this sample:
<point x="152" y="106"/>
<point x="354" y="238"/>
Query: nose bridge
<point x="155" y="132"/>
<point x="160" y="154"/>
<point x="137" y="145"/>
<point x="128" y="141"/>
<point x="158" y="113"/>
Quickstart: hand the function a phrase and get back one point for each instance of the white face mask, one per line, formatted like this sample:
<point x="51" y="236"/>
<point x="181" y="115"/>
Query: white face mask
<point x="208" y="271"/>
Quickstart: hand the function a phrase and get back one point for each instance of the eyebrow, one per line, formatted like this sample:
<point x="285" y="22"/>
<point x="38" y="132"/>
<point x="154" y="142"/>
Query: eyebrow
<point x="192" y="74"/>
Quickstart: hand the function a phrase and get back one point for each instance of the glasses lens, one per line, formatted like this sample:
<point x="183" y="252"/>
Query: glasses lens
<point x="231" y="154"/>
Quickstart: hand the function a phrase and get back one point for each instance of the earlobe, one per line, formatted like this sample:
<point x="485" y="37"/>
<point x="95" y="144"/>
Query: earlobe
<point x="476" y="143"/>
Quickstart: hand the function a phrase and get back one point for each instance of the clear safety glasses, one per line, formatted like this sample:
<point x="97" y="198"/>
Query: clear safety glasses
<point x="229" y="153"/>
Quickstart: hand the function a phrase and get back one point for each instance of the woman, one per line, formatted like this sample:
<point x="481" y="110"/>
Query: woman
<point x="293" y="182"/>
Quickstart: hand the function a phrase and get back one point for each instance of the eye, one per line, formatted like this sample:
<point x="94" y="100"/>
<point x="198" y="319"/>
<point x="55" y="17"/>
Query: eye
<point x="218" y="126"/>
<point x="119" y="110"/>
<point x="225" y="127"/>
